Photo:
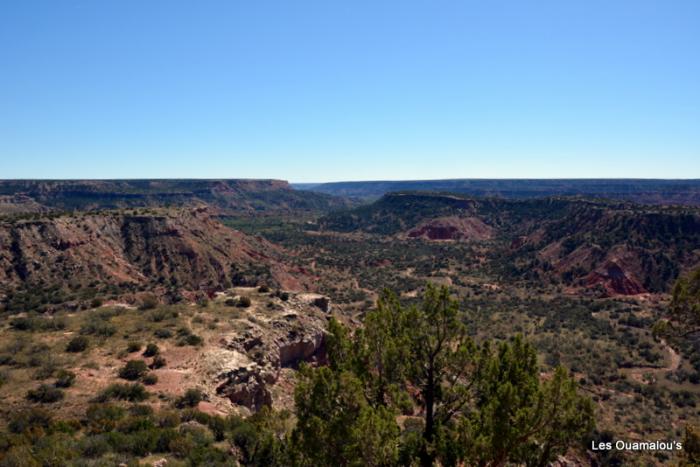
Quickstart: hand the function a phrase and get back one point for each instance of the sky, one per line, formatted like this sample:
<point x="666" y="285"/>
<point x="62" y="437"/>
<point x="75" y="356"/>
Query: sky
<point x="313" y="91"/>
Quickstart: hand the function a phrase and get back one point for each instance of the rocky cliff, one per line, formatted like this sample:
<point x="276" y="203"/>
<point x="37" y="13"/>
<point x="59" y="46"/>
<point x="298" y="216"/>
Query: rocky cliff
<point x="182" y="248"/>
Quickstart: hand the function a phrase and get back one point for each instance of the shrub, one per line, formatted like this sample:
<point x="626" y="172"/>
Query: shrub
<point x="263" y="289"/>
<point x="129" y="392"/>
<point x="77" y="344"/>
<point x="191" y="339"/>
<point x="158" y="362"/>
<point x="35" y="323"/>
<point x="65" y="379"/>
<point x="96" y="303"/>
<point x="163" y="333"/>
<point x="151" y="350"/>
<point x="244" y="302"/>
<point x="29" y="419"/>
<point x="93" y="447"/>
<point x="150" y="379"/>
<point x="133" y="346"/>
<point x="133" y="370"/>
<point x="47" y="368"/>
<point x="141" y="410"/>
<point x="99" y="327"/>
<point x="45" y="394"/>
<point x="284" y="296"/>
<point x="148" y="302"/>
<point x="103" y="417"/>
<point x="230" y="302"/>
<point x="191" y="398"/>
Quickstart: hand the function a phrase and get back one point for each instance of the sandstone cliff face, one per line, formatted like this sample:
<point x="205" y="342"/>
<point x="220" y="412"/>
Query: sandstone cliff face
<point x="626" y="252"/>
<point x="453" y="228"/>
<point x="295" y="335"/>
<point x="183" y="247"/>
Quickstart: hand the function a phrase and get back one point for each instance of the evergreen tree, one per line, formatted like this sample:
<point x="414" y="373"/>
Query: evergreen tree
<point x="478" y="404"/>
<point x="683" y="318"/>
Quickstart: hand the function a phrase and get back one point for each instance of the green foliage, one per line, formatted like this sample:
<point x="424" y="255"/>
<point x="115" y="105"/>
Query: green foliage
<point x="691" y="447"/>
<point x="64" y="379"/>
<point x="244" y="302"/>
<point x="129" y="392"/>
<point x="34" y="419"/>
<point x="477" y="405"/>
<point x="150" y="379"/>
<point x="186" y="337"/>
<point x="148" y="302"/>
<point x="78" y="344"/>
<point x="334" y="422"/>
<point x="45" y="394"/>
<point x="518" y="417"/>
<point x="683" y="318"/>
<point x="163" y="333"/>
<point x="38" y="323"/>
<point x="158" y="362"/>
<point x="133" y="370"/>
<point x="191" y="398"/>
<point x="98" y="327"/>
<point x="151" y="350"/>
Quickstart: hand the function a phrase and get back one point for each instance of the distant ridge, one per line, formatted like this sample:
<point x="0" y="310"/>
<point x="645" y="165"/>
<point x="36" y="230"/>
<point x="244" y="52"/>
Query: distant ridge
<point x="647" y="191"/>
<point x="228" y="195"/>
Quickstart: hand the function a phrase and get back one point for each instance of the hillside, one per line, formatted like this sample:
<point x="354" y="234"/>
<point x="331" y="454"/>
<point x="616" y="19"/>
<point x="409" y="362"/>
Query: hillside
<point x="126" y="251"/>
<point x="685" y="192"/>
<point x="229" y="196"/>
<point x="626" y="248"/>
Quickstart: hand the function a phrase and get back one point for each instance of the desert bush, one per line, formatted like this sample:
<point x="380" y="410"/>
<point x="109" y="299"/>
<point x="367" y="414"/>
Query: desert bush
<point x="133" y="370"/>
<point x="148" y="302"/>
<point x="129" y="392"/>
<point x="133" y="346"/>
<point x="191" y="339"/>
<point x="158" y="362"/>
<point x="98" y="326"/>
<point x="151" y="350"/>
<point x="244" y="302"/>
<point x="163" y="333"/>
<point x="150" y="379"/>
<point x="78" y="344"/>
<point x="103" y="417"/>
<point x="45" y="394"/>
<point x="38" y="323"/>
<point x="29" y="419"/>
<point x="187" y="338"/>
<point x="284" y="296"/>
<point x="191" y="398"/>
<point x="64" y="379"/>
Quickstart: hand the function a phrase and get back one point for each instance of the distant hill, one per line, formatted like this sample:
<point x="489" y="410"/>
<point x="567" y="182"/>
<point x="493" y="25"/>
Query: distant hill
<point x="228" y="196"/>
<point x="155" y="248"/>
<point x="623" y="247"/>
<point x="684" y="192"/>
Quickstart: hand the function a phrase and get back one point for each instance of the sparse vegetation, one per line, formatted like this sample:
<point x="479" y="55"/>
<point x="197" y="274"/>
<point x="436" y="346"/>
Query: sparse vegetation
<point x="45" y="394"/>
<point x="78" y="344"/>
<point x="133" y="370"/>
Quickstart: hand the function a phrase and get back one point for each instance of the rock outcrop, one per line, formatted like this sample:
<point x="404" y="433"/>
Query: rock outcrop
<point x="453" y="228"/>
<point x="295" y="335"/>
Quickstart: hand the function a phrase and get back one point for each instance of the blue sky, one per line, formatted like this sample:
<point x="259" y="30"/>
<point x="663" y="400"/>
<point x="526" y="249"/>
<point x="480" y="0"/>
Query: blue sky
<point x="324" y="90"/>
